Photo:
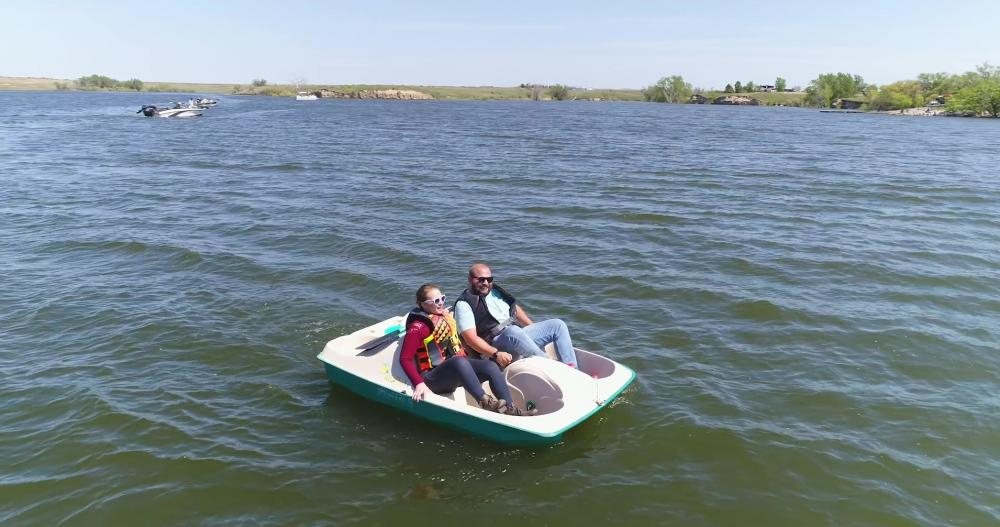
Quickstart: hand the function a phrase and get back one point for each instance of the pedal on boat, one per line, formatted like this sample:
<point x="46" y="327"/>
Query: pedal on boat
<point x="367" y="363"/>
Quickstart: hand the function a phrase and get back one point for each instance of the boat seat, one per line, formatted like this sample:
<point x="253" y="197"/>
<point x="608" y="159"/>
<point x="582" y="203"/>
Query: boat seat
<point x="528" y="383"/>
<point x="458" y="395"/>
<point x="550" y="351"/>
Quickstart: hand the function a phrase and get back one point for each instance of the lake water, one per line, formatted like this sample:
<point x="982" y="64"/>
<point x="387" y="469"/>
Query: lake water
<point x="811" y="302"/>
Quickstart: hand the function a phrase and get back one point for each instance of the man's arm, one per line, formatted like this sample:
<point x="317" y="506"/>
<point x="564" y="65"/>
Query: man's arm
<point x="467" y="328"/>
<point x="476" y="342"/>
<point x="521" y="316"/>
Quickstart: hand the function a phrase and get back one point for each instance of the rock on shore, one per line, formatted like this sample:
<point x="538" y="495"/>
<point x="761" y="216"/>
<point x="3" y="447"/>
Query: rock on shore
<point x="409" y="95"/>
<point x="738" y="100"/>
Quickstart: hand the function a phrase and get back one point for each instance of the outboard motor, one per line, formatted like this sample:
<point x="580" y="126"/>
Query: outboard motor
<point x="147" y="110"/>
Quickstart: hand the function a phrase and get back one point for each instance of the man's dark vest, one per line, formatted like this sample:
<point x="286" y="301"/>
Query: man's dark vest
<point x="488" y="327"/>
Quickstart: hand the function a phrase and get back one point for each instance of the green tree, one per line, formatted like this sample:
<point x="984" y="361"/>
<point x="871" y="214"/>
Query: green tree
<point x="779" y="84"/>
<point x="258" y="83"/>
<point x="750" y="87"/>
<point x="729" y="88"/>
<point x="823" y="90"/>
<point x="978" y="99"/>
<point x="988" y="72"/>
<point x="738" y="87"/>
<point x="671" y="89"/>
<point x="896" y="96"/>
<point x="559" y="92"/>
<point x="937" y="84"/>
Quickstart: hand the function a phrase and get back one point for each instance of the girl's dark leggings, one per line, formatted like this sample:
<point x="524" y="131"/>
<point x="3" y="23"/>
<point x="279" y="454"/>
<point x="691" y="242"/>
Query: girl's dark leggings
<point x="469" y="373"/>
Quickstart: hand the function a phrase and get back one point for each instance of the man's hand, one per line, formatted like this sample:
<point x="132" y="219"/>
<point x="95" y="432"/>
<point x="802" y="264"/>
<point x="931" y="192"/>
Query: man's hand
<point x="503" y="359"/>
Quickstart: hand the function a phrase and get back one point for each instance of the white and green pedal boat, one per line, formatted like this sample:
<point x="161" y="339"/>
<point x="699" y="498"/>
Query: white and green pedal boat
<point x="367" y="363"/>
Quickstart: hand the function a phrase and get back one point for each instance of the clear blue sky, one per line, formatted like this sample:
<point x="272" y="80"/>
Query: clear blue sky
<point x="609" y="44"/>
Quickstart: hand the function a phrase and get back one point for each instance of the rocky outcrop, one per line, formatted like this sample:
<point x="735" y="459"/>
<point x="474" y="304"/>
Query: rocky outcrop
<point x="409" y="95"/>
<point x="736" y="100"/>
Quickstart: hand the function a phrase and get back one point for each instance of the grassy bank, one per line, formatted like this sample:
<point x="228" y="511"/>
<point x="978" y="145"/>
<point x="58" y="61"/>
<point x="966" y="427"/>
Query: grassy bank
<point x="464" y="93"/>
<point x="468" y="93"/>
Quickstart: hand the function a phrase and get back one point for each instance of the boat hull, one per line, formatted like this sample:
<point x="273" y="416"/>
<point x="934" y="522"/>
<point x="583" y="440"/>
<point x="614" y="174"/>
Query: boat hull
<point x="180" y="112"/>
<point x="437" y="414"/>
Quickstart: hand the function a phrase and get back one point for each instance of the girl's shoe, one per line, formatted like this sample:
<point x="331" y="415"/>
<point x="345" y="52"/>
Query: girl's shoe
<point x="488" y="402"/>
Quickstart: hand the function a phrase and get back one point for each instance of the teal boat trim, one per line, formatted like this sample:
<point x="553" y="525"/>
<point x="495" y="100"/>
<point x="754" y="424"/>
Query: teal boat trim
<point x="501" y="433"/>
<point x="598" y="407"/>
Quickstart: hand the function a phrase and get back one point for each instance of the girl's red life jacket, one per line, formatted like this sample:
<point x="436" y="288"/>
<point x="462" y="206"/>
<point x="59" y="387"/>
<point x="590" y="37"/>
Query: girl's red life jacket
<point x="442" y="343"/>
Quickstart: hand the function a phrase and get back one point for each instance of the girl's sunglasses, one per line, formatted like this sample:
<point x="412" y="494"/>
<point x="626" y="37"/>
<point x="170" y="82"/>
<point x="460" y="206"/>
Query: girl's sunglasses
<point x="439" y="300"/>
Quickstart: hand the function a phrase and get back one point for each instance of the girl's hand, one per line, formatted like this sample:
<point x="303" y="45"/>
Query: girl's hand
<point x="420" y="392"/>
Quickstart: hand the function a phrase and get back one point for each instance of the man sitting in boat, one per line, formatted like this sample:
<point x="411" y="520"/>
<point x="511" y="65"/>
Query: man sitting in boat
<point x="492" y="323"/>
<point x="434" y="359"/>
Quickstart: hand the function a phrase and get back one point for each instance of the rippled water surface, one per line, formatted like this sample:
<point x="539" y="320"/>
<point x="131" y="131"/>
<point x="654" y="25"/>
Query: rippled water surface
<point x="811" y="302"/>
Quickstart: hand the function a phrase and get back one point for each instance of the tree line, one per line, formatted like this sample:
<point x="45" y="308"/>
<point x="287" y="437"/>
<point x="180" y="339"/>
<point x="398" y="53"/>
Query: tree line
<point x="971" y="93"/>
<point x="100" y="82"/>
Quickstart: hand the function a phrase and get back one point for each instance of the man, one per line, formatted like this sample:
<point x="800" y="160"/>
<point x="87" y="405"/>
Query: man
<point x="492" y="322"/>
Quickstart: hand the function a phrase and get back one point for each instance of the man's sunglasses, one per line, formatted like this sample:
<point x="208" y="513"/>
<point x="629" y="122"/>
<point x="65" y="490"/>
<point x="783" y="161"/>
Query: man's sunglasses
<point x="439" y="300"/>
<point x="487" y="279"/>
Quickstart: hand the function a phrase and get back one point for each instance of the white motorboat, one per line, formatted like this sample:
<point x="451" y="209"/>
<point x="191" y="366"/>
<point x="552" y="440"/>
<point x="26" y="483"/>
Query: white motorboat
<point x="205" y="102"/>
<point x="177" y="111"/>
<point x="367" y="363"/>
<point x="305" y="96"/>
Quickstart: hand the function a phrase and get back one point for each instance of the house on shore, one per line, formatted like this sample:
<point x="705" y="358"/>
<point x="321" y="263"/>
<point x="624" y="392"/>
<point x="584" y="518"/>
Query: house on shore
<point x="698" y="99"/>
<point x="847" y="104"/>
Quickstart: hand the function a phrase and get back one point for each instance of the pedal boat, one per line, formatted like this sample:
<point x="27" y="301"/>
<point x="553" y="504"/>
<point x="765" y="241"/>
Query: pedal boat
<point x="366" y="362"/>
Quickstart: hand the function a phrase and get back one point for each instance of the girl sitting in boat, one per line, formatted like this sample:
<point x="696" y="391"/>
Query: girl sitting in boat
<point x="435" y="361"/>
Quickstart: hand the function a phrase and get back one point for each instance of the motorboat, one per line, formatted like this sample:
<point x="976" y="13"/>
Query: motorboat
<point x="366" y="362"/>
<point x="205" y="102"/>
<point x="305" y="96"/>
<point x="176" y="111"/>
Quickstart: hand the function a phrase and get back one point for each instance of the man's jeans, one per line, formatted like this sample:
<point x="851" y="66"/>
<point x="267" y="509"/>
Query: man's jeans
<point x="529" y="341"/>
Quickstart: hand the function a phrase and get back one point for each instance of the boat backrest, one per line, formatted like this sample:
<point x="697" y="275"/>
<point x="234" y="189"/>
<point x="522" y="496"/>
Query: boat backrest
<point x="529" y="384"/>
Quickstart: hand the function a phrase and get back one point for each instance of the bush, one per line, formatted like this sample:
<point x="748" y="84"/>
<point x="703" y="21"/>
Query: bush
<point x="559" y="92"/>
<point x="258" y="83"/>
<point x="132" y="84"/>
<point x="96" y="82"/>
<point x="888" y="100"/>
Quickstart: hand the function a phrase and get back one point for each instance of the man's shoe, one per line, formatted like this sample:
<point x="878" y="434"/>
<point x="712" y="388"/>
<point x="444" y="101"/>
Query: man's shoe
<point x="513" y="410"/>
